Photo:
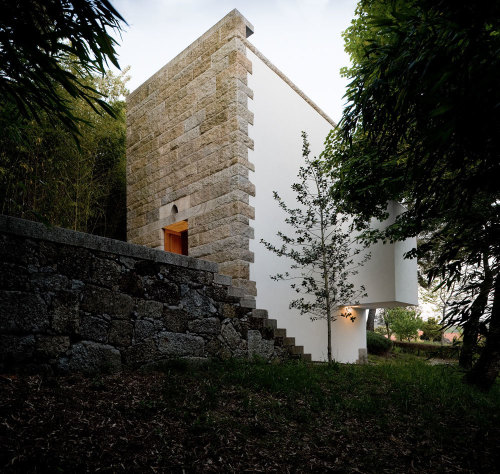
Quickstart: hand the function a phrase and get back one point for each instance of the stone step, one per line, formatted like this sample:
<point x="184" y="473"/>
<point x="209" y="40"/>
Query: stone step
<point x="296" y="350"/>
<point x="222" y="279"/>
<point x="306" y="357"/>
<point x="260" y="313"/>
<point x="248" y="303"/>
<point x="288" y="341"/>
<point x="235" y="291"/>
<point x="280" y="332"/>
<point x="270" y="323"/>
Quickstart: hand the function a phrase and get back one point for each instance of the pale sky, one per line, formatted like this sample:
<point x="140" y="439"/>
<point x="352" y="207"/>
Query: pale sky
<point x="302" y="38"/>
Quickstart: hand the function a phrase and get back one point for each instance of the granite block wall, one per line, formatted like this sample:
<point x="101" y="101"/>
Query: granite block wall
<point x="187" y="146"/>
<point x="76" y="302"/>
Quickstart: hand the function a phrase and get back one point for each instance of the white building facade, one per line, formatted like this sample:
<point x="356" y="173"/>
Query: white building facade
<point x="210" y="137"/>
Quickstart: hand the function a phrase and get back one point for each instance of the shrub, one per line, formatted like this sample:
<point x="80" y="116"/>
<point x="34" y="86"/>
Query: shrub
<point x="377" y="344"/>
<point x="432" y="330"/>
<point x="429" y="350"/>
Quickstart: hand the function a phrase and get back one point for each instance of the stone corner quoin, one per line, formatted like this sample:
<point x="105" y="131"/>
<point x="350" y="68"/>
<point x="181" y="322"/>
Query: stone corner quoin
<point x="187" y="151"/>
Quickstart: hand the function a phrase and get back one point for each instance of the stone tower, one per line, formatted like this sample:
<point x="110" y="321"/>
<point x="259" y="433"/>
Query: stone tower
<point x="187" y="152"/>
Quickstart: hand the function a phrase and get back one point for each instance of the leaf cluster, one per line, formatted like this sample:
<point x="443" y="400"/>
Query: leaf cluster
<point x="49" y="45"/>
<point x="421" y="125"/>
<point x="45" y="175"/>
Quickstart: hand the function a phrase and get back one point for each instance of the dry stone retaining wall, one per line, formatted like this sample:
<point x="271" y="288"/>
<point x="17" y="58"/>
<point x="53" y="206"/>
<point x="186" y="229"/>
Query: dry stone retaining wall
<point x="76" y="302"/>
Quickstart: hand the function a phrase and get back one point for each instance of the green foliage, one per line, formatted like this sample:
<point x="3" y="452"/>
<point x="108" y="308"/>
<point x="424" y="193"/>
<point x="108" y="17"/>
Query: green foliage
<point x="322" y="249"/>
<point x="407" y="122"/>
<point x="406" y="130"/>
<point x="421" y="70"/>
<point x="404" y="322"/>
<point x="357" y="37"/>
<point x="377" y="344"/>
<point x="46" y="175"/>
<point x="432" y="330"/>
<point x="51" y="46"/>
<point x="427" y="350"/>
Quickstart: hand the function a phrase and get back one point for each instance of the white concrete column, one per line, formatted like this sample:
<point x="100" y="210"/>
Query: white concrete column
<point x="348" y="337"/>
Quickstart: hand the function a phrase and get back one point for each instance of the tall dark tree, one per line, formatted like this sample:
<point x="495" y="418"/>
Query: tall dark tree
<point x="421" y="127"/>
<point x="38" y="38"/>
<point x="370" y="319"/>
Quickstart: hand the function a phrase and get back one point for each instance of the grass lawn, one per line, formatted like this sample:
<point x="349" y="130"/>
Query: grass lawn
<point x="392" y="415"/>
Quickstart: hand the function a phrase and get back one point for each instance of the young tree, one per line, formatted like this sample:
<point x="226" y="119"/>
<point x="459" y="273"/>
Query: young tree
<point x="420" y="70"/>
<point x="404" y="322"/>
<point x="322" y="248"/>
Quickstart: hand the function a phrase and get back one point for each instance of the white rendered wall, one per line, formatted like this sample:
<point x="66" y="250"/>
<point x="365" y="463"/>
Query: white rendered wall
<point x="280" y="115"/>
<point x="405" y="270"/>
<point x="390" y="279"/>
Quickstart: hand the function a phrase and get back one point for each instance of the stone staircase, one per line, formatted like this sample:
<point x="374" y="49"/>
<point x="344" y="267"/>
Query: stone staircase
<point x="258" y="319"/>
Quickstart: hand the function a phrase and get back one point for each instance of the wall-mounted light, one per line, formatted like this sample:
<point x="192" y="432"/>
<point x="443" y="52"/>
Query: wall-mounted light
<point x="347" y="312"/>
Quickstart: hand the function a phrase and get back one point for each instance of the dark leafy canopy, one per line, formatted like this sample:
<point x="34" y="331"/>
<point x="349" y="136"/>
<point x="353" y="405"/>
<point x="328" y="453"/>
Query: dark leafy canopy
<point x="37" y="37"/>
<point x="421" y="127"/>
<point x="45" y="175"/>
<point x="422" y="122"/>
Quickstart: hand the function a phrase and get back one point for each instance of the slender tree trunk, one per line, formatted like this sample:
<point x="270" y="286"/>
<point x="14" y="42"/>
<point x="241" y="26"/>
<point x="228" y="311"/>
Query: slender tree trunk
<point x="370" y="321"/>
<point x="471" y="327"/>
<point x="327" y="294"/>
<point x="485" y="372"/>
<point x="389" y="334"/>
<point x="325" y="280"/>
<point x="329" y="324"/>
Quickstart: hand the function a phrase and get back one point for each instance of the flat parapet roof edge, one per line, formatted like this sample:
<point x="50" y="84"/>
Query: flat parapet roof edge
<point x="273" y="68"/>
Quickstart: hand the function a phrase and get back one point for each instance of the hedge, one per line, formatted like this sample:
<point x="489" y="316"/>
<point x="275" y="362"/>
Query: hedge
<point x="377" y="344"/>
<point x="429" y="350"/>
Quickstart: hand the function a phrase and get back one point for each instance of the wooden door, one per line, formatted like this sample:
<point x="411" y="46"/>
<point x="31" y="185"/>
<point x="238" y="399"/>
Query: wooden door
<point x="176" y="238"/>
<point x="173" y="241"/>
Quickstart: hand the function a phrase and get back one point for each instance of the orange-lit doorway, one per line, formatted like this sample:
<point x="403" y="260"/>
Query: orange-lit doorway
<point x="176" y="238"/>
